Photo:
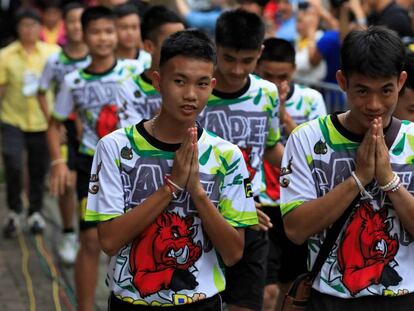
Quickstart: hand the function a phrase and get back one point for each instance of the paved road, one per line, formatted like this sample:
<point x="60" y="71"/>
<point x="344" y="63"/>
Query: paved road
<point x="26" y="281"/>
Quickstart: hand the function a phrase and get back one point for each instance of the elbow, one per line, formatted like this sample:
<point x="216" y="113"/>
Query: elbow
<point x="233" y="258"/>
<point x="294" y="233"/>
<point x="108" y="247"/>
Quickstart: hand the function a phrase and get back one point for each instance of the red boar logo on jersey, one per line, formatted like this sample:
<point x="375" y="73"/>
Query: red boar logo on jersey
<point x="246" y="156"/>
<point x="107" y="120"/>
<point x="367" y="249"/>
<point x="161" y="256"/>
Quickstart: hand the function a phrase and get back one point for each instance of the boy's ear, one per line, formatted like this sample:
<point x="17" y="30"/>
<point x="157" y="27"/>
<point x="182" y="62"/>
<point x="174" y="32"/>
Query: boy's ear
<point x="341" y="79"/>
<point x="148" y="46"/>
<point x="156" y="80"/>
<point x="401" y="80"/>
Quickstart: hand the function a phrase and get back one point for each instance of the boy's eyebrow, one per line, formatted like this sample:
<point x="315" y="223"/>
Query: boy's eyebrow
<point x="182" y="75"/>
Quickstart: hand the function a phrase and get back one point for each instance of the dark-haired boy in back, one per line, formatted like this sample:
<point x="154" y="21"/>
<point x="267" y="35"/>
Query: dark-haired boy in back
<point x="101" y="94"/>
<point x="243" y="109"/>
<point x="171" y="198"/>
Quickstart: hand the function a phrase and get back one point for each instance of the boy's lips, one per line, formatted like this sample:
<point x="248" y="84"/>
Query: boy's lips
<point x="188" y="109"/>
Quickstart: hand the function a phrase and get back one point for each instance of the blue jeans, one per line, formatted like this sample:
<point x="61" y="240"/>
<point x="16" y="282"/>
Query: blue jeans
<point x="14" y="145"/>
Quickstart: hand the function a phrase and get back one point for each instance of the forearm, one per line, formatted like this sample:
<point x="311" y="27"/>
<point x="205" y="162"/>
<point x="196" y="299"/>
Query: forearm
<point x="289" y="124"/>
<point x="316" y="215"/>
<point x="274" y="155"/>
<point x="43" y="105"/>
<point x="53" y="138"/>
<point x="403" y="203"/>
<point x="227" y="240"/>
<point x="118" y="232"/>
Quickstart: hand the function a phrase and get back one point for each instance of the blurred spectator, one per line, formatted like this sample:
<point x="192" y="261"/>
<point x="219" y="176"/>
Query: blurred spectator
<point x="307" y="26"/>
<point x="286" y="21"/>
<point x="382" y="12"/>
<point x="53" y="30"/>
<point x="258" y="7"/>
<point x="23" y="125"/>
<point x="7" y="11"/>
<point x="205" y="20"/>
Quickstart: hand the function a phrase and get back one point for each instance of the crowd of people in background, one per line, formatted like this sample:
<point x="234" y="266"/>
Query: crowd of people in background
<point x="124" y="98"/>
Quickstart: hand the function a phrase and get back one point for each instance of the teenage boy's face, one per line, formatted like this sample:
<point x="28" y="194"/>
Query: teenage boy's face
<point x="128" y="31"/>
<point x="369" y="98"/>
<point x="185" y="84"/>
<point x="100" y="36"/>
<point x="154" y="47"/>
<point x="405" y="106"/>
<point x="234" y="66"/>
<point x="73" y="25"/>
<point x="28" y="30"/>
<point x="276" y="72"/>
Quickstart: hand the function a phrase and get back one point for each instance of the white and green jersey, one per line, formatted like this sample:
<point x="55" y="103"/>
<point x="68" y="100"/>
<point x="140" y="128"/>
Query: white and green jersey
<point x="173" y="261"/>
<point x="144" y="58"/>
<point x="57" y="66"/>
<point x="104" y="102"/>
<point x="248" y="119"/>
<point x="304" y="104"/>
<point x="374" y="254"/>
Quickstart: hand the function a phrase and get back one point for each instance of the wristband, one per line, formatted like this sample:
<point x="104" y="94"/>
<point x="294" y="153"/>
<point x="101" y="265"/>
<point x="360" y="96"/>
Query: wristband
<point x="398" y="186"/>
<point x="57" y="161"/>
<point x="171" y="190"/>
<point x="364" y="193"/>
<point x="174" y="184"/>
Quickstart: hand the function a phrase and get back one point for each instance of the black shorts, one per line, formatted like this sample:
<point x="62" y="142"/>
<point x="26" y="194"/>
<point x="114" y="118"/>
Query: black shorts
<point x="323" y="302"/>
<point x="72" y="143"/>
<point x="83" y="170"/>
<point x="245" y="280"/>
<point x="210" y="304"/>
<point x="274" y="255"/>
<point x="293" y="258"/>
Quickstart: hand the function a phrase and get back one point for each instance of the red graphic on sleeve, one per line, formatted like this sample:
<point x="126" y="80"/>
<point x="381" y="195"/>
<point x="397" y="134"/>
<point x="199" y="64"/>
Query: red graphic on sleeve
<point x="161" y="256"/>
<point x="246" y="156"/>
<point x="366" y="251"/>
<point x="107" y="121"/>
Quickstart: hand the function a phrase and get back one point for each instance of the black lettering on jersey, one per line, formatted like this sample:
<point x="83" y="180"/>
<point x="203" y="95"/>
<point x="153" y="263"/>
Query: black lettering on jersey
<point x="248" y="188"/>
<point x="288" y="169"/>
<point x="320" y="147"/>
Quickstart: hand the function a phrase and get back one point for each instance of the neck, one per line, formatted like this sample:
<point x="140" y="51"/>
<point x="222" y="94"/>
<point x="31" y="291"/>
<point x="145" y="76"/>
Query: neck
<point x="102" y="64"/>
<point x="382" y="4"/>
<point x="128" y="53"/>
<point x="169" y="130"/>
<point x="223" y="86"/>
<point x="76" y="49"/>
<point x="28" y="46"/>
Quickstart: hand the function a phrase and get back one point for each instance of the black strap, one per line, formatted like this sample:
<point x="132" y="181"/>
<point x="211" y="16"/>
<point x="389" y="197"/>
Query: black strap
<point x="336" y="228"/>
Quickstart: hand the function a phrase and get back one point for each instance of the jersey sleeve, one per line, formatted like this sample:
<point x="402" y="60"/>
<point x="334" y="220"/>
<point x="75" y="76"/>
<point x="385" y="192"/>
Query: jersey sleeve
<point x="47" y="76"/>
<point x="3" y="70"/>
<point x="105" y="198"/>
<point x="318" y="108"/>
<point x="64" y="101"/>
<point x="296" y="182"/>
<point x="236" y="202"/>
<point x="273" y="136"/>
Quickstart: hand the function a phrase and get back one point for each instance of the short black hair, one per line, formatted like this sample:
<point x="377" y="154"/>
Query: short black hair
<point x="96" y="12"/>
<point x="192" y="43"/>
<point x="155" y="17"/>
<point x="125" y="9"/>
<point x="71" y="6"/>
<point x="50" y="4"/>
<point x="278" y="50"/>
<point x="240" y="30"/>
<point x="374" y="52"/>
<point x="261" y="3"/>
<point x="27" y="13"/>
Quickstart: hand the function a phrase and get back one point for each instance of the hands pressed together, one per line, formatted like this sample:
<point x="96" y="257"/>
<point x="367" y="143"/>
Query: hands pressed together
<point x="185" y="170"/>
<point x="373" y="160"/>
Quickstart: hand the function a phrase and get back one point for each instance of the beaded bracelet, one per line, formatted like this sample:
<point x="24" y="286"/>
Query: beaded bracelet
<point x="172" y="186"/>
<point x="57" y="161"/>
<point x="392" y="184"/>
<point x="398" y="186"/>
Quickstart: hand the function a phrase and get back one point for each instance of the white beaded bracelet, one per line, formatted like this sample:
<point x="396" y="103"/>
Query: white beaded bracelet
<point x="364" y="193"/>
<point x="392" y="184"/>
